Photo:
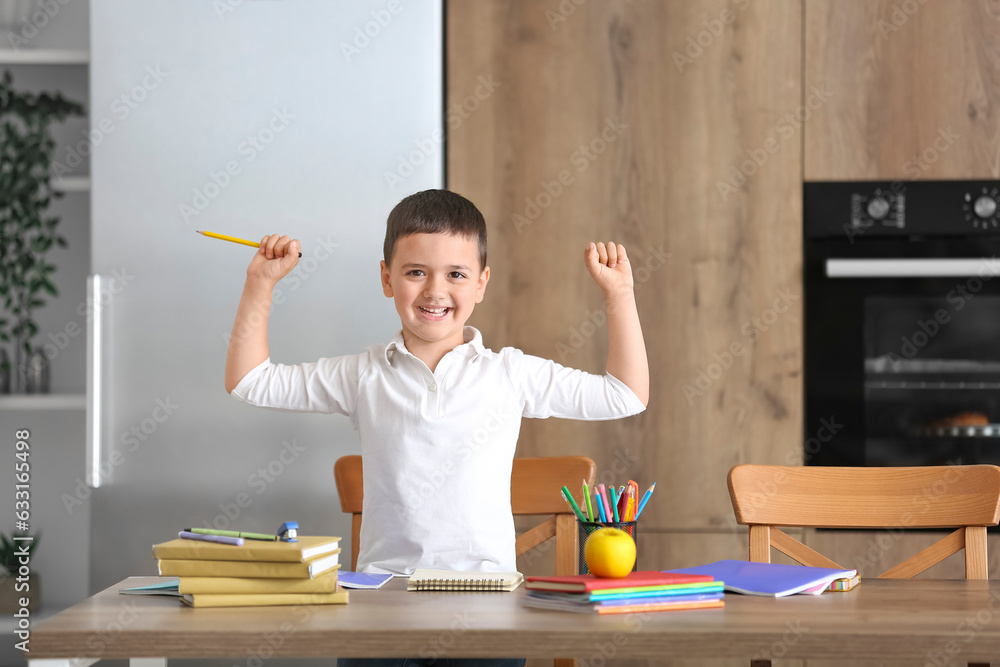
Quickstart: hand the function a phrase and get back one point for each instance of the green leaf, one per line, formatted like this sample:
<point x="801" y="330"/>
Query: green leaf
<point x="41" y="244"/>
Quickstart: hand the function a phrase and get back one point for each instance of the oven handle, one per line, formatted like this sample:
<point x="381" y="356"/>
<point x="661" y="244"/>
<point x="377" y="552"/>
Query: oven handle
<point x="984" y="267"/>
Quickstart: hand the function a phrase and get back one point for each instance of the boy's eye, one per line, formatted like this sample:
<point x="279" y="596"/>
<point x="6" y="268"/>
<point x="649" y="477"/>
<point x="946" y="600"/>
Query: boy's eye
<point x="415" y="272"/>
<point x="456" y="274"/>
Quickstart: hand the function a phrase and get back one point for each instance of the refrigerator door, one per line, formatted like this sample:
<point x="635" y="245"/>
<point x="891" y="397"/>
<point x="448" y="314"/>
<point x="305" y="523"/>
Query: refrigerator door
<point x="302" y="117"/>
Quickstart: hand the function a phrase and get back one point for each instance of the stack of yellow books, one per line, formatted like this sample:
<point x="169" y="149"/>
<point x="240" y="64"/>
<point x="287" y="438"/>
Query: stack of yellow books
<point x="255" y="573"/>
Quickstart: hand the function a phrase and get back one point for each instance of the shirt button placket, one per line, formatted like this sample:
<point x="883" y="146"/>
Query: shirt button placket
<point x="435" y="390"/>
<point x="434" y="394"/>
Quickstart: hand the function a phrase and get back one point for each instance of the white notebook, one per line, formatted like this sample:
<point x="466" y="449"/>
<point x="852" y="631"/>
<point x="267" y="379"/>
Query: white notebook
<point x="450" y="580"/>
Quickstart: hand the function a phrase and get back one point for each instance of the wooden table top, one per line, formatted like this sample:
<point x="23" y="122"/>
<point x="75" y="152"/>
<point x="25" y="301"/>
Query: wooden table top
<point x="923" y="619"/>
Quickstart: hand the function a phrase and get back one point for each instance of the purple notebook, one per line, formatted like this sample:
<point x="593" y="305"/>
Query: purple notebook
<point x="349" y="579"/>
<point x="769" y="579"/>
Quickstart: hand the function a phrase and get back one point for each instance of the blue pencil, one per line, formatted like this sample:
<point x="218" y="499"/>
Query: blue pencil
<point x="645" y="499"/>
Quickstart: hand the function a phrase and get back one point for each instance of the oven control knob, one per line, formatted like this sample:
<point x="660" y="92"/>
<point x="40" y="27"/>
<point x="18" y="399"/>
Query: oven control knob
<point x="878" y="208"/>
<point x="985" y="207"/>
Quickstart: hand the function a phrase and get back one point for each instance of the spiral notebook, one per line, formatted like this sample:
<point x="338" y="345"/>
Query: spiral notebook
<point x="450" y="580"/>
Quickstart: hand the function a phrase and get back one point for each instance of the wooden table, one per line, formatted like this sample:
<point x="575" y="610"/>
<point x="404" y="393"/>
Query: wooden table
<point x="929" y="621"/>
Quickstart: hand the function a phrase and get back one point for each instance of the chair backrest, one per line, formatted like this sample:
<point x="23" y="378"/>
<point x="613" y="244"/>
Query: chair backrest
<point x="966" y="497"/>
<point x="534" y="490"/>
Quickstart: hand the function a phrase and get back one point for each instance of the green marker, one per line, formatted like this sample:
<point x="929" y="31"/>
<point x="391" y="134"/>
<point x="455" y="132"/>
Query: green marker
<point x="586" y="496"/>
<point x="568" y="497"/>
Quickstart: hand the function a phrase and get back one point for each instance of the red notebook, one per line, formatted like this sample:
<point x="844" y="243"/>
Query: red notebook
<point x="584" y="583"/>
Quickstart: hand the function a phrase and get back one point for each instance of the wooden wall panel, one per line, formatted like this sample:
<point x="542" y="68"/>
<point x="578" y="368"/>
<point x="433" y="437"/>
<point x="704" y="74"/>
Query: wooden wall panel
<point x="913" y="89"/>
<point x="665" y="184"/>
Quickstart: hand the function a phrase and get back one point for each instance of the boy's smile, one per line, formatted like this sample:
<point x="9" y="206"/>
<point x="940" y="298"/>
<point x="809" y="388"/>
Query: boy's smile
<point x="435" y="281"/>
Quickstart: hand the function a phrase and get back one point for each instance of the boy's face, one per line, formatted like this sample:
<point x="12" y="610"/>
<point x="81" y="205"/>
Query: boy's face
<point x="435" y="281"/>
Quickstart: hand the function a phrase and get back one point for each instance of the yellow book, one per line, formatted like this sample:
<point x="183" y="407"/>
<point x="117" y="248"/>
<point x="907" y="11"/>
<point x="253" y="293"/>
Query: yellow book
<point x="263" y="600"/>
<point x="261" y="570"/>
<point x="308" y="547"/>
<point x="325" y="583"/>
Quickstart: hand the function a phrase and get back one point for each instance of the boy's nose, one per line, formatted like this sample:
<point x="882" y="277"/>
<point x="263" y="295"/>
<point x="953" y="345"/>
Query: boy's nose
<point x="434" y="288"/>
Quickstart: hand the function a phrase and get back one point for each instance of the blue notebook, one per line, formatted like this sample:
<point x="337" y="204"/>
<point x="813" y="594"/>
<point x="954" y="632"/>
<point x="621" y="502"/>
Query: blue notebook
<point x="362" y="580"/>
<point x="162" y="588"/>
<point x="769" y="579"/>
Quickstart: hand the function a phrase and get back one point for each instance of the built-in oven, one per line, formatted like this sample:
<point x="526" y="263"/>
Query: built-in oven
<point x="902" y="323"/>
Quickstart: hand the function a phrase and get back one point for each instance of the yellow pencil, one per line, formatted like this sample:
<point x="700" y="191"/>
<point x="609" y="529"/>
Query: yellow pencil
<point x="233" y="239"/>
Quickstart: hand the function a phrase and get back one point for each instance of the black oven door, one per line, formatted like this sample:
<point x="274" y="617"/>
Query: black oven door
<point x="902" y="352"/>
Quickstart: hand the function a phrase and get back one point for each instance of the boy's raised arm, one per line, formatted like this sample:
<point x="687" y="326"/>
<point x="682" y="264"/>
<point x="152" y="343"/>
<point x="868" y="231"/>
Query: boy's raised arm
<point x="609" y="266"/>
<point x="248" y="347"/>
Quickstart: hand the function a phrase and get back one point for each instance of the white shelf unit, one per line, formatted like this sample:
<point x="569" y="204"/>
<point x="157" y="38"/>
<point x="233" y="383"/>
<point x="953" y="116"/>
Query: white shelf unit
<point x="44" y="57"/>
<point x="57" y="61"/>
<point x="71" y="184"/>
<point x="43" y="402"/>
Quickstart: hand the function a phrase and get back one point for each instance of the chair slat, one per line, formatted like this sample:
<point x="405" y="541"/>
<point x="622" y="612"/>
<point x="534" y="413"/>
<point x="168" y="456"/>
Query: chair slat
<point x="355" y="540"/>
<point x="350" y="485"/>
<point x="793" y="548"/>
<point x="976" y="554"/>
<point x="924" y="559"/>
<point x="529" y="540"/>
<point x="831" y="497"/>
<point x="567" y="545"/>
<point x="760" y="544"/>
<point x="535" y="483"/>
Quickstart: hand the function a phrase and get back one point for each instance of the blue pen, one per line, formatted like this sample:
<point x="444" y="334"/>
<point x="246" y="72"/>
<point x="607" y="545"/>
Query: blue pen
<point x="221" y="539"/>
<point x="645" y="499"/>
<point x="600" y="504"/>
<point x="614" y="503"/>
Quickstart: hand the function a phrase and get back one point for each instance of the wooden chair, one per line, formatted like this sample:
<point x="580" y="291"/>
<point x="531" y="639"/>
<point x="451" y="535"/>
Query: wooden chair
<point x="534" y="490"/>
<point x="963" y="497"/>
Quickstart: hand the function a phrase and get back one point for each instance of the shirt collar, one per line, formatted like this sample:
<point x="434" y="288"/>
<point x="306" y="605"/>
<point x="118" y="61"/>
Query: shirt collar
<point x="473" y="342"/>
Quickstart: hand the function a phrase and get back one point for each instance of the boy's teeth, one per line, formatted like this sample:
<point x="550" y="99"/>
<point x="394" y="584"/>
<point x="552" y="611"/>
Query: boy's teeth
<point x="434" y="311"/>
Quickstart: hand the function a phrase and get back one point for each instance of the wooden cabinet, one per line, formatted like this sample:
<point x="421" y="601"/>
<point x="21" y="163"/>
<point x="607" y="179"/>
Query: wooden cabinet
<point x="912" y="89"/>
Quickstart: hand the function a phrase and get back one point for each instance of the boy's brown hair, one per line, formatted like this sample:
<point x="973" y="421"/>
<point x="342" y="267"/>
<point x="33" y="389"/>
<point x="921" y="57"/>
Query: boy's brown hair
<point x="435" y="212"/>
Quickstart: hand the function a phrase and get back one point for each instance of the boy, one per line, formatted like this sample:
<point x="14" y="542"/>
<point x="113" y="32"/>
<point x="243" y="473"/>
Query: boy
<point x="434" y="403"/>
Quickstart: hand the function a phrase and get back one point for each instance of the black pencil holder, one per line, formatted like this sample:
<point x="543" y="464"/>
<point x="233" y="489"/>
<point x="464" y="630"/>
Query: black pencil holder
<point x="585" y="528"/>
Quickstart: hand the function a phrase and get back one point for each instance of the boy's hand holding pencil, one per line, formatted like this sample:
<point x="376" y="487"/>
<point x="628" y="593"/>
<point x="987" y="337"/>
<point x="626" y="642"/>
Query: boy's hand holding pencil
<point x="275" y="258"/>
<point x="272" y="247"/>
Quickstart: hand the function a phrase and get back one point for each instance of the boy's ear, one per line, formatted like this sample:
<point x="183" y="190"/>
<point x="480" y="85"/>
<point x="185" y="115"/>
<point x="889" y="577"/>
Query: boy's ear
<point x="386" y="285"/>
<point x="484" y="278"/>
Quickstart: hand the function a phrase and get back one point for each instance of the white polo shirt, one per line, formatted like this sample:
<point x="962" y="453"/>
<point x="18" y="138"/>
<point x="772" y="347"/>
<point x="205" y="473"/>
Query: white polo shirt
<point x="438" y="447"/>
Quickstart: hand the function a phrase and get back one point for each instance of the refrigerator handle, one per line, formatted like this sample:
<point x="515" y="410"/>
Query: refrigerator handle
<point x="94" y="380"/>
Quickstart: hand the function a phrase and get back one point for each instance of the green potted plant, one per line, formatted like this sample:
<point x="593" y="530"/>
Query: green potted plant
<point x="26" y="231"/>
<point x="10" y="562"/>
